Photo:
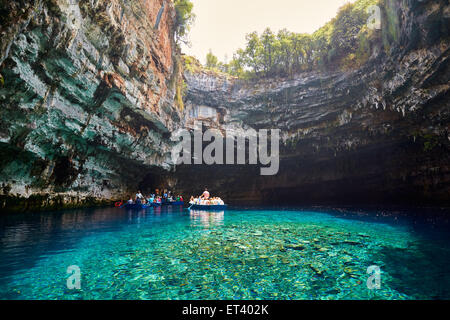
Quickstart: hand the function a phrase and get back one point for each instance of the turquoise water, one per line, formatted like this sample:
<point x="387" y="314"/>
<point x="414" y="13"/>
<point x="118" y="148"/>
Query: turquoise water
<point x="238" y="254"/>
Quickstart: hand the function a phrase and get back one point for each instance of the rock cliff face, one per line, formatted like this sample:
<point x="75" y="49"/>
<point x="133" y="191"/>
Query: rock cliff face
<point x="86" y="98"/>
<point x="379" y="134"/>
<point x="88" y="105"/>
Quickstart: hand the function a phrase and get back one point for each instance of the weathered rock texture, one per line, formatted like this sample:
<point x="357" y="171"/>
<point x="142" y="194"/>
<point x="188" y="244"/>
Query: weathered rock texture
<point x="378" y="134"/>
<point x="88" y="105"/>
<point x="87" y="100"/>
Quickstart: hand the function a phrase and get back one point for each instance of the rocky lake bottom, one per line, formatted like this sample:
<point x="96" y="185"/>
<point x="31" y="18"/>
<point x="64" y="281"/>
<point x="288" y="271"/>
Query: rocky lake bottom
<point x="171" y="253"/>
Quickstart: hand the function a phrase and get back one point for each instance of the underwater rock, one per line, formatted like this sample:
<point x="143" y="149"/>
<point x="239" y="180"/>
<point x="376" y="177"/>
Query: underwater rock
<point x="346" y="258"/>
<point x="352" y="242"/>
<point x="362" y="235"/>
<point x="297" y="247"/>
<point x="317" y="268"/>
<point x="350" y="271"/>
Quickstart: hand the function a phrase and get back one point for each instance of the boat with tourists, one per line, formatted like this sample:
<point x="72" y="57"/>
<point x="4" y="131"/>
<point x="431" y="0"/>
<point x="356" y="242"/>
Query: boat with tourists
<point x="153" y="200"/>
<point x="136" y="206"/>
<point x="206" y="202"/>
<point x="203" y="202"/>
<point x="173" y="201"/>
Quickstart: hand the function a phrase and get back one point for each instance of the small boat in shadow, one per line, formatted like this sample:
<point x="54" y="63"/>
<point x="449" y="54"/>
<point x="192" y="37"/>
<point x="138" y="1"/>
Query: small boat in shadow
<point x="136" y="206"/>
<point x="140" y="206"/>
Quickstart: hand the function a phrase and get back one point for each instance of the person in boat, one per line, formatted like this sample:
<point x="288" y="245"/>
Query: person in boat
<point x="195" y="200"/>
<point x="130" y="201"/>
<point x="205" y="195"/>
<point x="216" y="201"/>
<point x="139" y="197"/>
<point x="192" y="200"/>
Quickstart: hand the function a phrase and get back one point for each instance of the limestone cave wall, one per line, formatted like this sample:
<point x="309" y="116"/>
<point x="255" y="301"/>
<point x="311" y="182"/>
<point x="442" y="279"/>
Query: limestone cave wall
<point x="88" y="105"/>
<point x="86" y="99"/>
<point x="378" y="134"/>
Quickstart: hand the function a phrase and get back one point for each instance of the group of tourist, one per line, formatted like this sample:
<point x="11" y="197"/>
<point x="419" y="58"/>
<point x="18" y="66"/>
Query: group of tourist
<point x="166" y="196"/>
<point x="206" y="199"/>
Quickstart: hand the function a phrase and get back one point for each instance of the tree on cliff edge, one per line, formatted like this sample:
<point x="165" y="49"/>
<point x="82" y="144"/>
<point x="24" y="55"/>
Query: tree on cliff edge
<point x="211" y="60"/>
<point x="184" y="20"/>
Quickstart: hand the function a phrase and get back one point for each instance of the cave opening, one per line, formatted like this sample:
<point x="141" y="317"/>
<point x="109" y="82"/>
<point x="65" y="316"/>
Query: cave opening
<point x="157" y="179"/>
<point x="64" y="172"/>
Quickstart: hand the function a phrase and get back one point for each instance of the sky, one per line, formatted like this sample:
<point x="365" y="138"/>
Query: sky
<point x="221" y="25"/>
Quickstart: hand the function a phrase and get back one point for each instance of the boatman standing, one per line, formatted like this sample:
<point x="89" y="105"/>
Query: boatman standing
<point x="139" y="197"/>
<point x="205" y="195"/>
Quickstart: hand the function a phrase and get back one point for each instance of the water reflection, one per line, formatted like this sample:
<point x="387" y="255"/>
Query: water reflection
<point x="206" y="219"/>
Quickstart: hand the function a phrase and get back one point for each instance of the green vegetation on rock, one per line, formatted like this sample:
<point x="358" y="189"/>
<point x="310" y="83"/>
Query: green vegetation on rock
<point x="211" y="60"/>
<point x="191" y="64"/>
<point x="184" y="19"/>
<point x="343" y="43"/>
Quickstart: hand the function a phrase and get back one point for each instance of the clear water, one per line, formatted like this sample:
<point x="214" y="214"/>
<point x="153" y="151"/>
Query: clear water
<point x="237" y="254"/>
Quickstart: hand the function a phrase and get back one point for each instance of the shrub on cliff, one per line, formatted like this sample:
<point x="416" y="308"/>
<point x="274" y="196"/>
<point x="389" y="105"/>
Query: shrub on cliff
<point x="184" y="19"/>
<point x="211" y="61"/>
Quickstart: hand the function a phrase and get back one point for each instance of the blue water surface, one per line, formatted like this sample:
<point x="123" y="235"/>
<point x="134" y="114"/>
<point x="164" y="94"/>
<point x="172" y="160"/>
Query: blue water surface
<point x="171" y="253"/>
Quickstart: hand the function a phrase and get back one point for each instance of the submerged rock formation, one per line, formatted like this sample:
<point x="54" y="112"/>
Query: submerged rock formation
<point x="88" y="105"/>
